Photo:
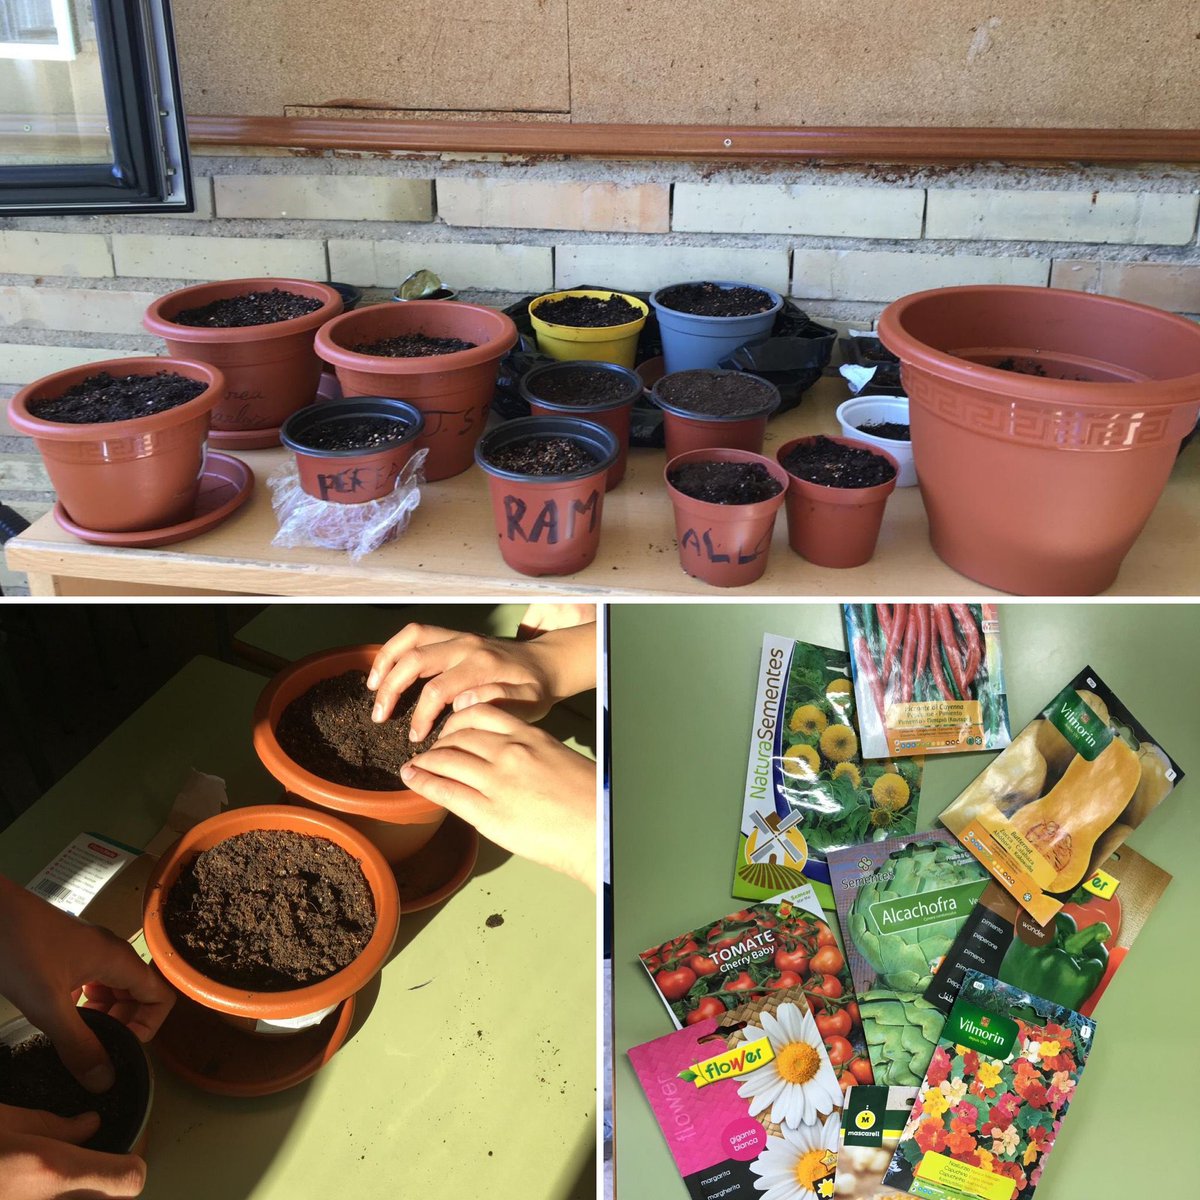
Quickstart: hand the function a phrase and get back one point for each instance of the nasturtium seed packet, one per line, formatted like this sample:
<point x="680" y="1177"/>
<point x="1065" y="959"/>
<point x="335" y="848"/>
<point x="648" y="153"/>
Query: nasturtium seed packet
<point x="873" y="1119"/>
<point x="808" y="790"/>
<point x="995" y="1096"/>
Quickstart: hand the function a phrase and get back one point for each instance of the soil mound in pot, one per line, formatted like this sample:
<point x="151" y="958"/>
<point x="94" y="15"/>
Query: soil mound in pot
<point x="892" y="431"/>
<point x="581" y="386"/>
<point x="253" y="308"/>
<point x="102" y="398"/>
<point x="413" y="345"/>
<point x="328" y="730"/>
<point x="543" y="456"/>
<point x="270" y="910"/>
<point x="824" y="461"/>
<point x="588" y="312"/>
<point x="711" y="300"/>
<point x="725" y="482"/>
<point x="355" y="433"/>
<point x="719" y="394"/>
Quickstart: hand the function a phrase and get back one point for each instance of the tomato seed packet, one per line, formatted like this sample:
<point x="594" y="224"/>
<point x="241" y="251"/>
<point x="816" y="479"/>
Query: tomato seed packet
<point x="747" y="1102"/>
<point x="995" y="1095"/>
<point x="872" y="1121"/>
<point x="928" y="678"/>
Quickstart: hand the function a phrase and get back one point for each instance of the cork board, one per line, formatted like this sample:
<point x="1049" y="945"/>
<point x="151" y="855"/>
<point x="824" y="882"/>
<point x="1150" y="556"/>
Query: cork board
<point x="1003" y="63"/>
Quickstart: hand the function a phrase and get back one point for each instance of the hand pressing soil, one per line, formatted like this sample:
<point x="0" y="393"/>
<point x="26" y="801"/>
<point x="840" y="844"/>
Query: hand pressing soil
<point x="824" y="461"/>
<point x="412" y="345"/>
<point x="580" y="387"/>
<point x="355" y="433"/>
<point x="543" y="456"/>
<point x="253" y="308"/>
<point x="102" y="397"/>
<point x="725" y="482"/>
<point x="716" y="393"/>
<point x="587" y="312"/>
<point x="712" y="300"/>
<point x="270" y="910"/>
<point x="892" y="431"/>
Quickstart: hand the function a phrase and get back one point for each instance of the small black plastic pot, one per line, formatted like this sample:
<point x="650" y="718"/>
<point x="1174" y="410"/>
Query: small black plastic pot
<point x="351" y="295"/>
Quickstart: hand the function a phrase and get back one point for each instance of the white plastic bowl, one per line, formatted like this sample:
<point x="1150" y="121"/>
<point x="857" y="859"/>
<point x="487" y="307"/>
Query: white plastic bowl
<point x="862" y="410"/>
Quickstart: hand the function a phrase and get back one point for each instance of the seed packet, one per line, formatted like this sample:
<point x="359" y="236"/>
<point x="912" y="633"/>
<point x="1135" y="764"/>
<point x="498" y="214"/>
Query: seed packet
<point x="1053" y="805"/>
<point x="747" y="1103"/>
<point x="1070" y="960"/>
<point x="776" y="945"/>
<point x="928" y="678"/>
<point x="995" y="1096"/>
<point x="808" y="790"/>
<point x="900" y="903"/>
<point x="872" y="1121"/>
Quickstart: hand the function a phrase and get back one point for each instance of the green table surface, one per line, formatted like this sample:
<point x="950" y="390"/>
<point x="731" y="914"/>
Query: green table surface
<point x="481" y="1080"/>
<point x="683" y="680"/>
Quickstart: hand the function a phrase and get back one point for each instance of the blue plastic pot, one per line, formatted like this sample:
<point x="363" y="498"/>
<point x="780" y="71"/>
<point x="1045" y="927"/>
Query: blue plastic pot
<point x="690" y="341"/>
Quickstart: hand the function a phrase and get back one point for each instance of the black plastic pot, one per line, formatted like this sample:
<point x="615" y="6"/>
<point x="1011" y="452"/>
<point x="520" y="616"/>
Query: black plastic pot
<point x="351" y="295"/>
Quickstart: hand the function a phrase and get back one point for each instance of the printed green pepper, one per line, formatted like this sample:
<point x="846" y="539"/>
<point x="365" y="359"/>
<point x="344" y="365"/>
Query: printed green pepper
<point x="1066" y="970"/>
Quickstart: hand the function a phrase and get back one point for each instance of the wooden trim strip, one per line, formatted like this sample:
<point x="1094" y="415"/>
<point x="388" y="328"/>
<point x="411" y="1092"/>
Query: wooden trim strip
<point x="881" y="144"/>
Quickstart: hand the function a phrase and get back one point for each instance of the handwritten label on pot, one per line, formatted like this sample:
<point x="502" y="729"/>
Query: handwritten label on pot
<point x="552" y="522"/>
<point x="705" y="547"/>
<point x="353" y="480"/>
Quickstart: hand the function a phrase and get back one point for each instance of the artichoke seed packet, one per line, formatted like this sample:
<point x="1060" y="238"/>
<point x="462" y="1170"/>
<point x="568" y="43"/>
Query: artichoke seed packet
<point x="873" y="1119"/>
<point x="928" y="678"/>
<point x="994" y="1098"/>
<point x="1070" y="960"/>
<point x="1054" y="804"/>
<point x="901" y="903"/>
<point x="808" y="790"/>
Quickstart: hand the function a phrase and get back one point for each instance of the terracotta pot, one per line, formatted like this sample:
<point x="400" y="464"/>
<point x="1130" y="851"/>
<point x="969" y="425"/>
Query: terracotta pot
<point x="123" y="476"/>
<point x="724" y="544"/>
<point x="270" y="370"/>
<point x="836" y="527"/>
<point x="1033" y="484"/>
<point x="599" y="343"/>
<point x="548" y="524"/>
<point x="612" y="414"/>
<point x="271" y="1013"/>
<point x="352" y="476"/>
<point x="399" y="823"/>
<point x="685" y="431"/>
<point x="453" y="391"/>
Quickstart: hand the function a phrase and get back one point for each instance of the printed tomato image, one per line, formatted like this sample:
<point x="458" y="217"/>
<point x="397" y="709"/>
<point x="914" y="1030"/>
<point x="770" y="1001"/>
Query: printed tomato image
<point x="675" y="984"/>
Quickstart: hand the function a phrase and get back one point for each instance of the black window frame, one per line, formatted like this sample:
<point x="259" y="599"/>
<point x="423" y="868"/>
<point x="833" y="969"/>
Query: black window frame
<point x="150" y="168"/>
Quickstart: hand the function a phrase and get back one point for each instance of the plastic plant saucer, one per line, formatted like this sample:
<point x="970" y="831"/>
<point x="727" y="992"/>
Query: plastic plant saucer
<point x="244" y="439"/>
<point x="199" y="1046"/>
<point x="224" y="487"/>
<point x="438" y="870"/>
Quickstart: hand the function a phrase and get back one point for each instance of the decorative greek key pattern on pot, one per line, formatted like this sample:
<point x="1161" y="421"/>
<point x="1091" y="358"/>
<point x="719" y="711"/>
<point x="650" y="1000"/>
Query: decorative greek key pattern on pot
<point x="124" y="449"/>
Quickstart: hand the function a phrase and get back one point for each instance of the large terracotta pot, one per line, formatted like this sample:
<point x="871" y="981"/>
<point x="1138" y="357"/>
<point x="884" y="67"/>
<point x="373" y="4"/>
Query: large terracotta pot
<point x="399" y="823"/>
<point x="1040" y="484"/>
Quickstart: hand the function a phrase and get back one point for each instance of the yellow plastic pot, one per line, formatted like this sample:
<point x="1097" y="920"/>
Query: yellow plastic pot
<point x="606" y="343"/>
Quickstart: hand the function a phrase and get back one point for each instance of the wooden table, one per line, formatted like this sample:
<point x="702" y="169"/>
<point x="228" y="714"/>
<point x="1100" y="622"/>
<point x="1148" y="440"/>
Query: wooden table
<point x="450" y="548"/>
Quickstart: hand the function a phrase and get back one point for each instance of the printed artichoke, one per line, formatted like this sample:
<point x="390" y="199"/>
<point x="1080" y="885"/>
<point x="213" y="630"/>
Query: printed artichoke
<point x="902" y="1030"/>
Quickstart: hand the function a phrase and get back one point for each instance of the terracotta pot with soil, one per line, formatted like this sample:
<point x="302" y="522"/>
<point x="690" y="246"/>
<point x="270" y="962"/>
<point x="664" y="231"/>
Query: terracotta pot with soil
<point x="547" y="478"/>
<point x="271" y="916"/>
<point x="1045" y="424"/>
<point x="599" y="392"/>
<point x="706" y="409"/>
<point x="703" y="322"/>
<point x="122" y="440"/>
<point x="259" y="332"/>
<point x="725" y="506"/>
<point x="586" y="323"/>
<point x="440" y="356"/>
<point x="837" y="491"/>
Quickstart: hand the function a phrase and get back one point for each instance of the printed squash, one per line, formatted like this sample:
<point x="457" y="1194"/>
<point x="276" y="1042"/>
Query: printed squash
<point x="1015" y="778"/>
<point x="1065" y="824"/>
<point x="1153" y="787"/>
<point x="1055" y="748"/>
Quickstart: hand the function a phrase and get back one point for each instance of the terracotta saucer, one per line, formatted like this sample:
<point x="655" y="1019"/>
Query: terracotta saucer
<point x="202" y="1049"/>
<point x="224" y="487"/>
<point x="441" y="868"/>
<point x="244" y="439"/>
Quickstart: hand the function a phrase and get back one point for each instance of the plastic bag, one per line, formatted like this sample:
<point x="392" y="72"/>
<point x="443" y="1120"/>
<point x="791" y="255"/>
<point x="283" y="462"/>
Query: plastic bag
<point x="356" y="528"/>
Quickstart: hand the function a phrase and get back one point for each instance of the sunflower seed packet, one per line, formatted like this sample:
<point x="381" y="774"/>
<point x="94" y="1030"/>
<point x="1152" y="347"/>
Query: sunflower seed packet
<point x="747" y="1103"/>
<point x="808" y="790"/>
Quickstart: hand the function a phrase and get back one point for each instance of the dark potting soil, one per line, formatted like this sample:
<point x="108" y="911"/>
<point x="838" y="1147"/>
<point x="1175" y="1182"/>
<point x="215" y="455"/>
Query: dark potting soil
<point x="728" y="395"/>
<point x="1026" y="367"/>
<point x="103" y="397"/>
<point x="893" y="431"/>
<point x="412" y="345"/>
<point x="579" y="387"/>
<point x="588" y="312"/>
<point x="710" y="300"/>
<point x="877" y="352"/>
<point x="725" y="482"/>
<point x="355" y="433"/>
<point x="827" y="462"/>
<point x="33" y="1076"/>
<point x="543" y="456"/>
<point x="328" y="731"/>
<point x="254" y="308"/>
<point x="270" y="910"/>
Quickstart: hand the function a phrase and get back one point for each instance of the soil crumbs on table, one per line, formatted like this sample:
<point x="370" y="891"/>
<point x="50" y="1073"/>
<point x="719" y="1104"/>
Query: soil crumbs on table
<point x="253" y="308"/>
<point x="33" y="1076"/>
<point x="328" y="731"/>
<point x="270" y="910"/>
<point x="892" y="431"/>
<point x="587" y="312"/>
<point x="725" y="482"/>
<point x="824" y="461"/>
<point x="355" y="433"/>
<point x="580" y="386"/>
<point x="712" y="300"/>
<point x="543" y="456"/>
<point x="494" y="921"/>
<point x="412" y="345"/>
<point x="716" y="394"/>
<point x="102" y="397"/>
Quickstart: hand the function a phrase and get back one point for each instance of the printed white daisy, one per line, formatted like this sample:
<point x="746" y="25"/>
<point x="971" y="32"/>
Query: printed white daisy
<point x="798" y="1084"/>
<point x="793" y="1166"/>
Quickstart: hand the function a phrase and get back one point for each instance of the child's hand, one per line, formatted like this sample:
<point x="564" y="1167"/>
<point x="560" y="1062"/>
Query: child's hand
<point x="517" y="785"/>
<point x="544" y="618"/>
